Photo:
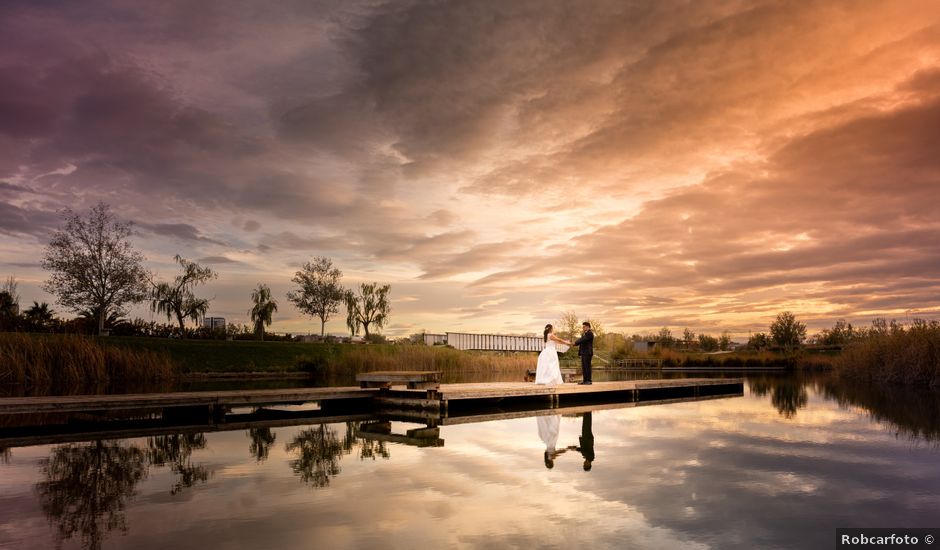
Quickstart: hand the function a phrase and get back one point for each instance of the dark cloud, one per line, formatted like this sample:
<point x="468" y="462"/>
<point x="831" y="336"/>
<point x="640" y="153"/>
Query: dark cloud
<point x="18" y="221"/>
<point x="710" y="159"/>
<point x="217" y="260"/>
<point x="182" y="231"/>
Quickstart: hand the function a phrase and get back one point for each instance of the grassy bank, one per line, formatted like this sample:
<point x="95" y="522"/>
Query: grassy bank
<point x="68" y="360"/>
<point x="214" y="356"/>
<point x="744" y="359"/>
<point x="42" y="359"/>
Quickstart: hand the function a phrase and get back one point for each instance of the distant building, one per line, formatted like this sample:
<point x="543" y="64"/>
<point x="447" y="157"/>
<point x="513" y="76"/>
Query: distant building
<point x="434" y="339"/>
<point x="214" y="323"/>
<point x="644" y="346"/>
<point x="494" y="342"/>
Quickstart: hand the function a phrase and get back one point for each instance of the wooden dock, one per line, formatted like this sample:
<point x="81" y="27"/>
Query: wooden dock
<point x="440" y="397"/>
<point x="427" y="436"/>
<point x="434" y="401"/>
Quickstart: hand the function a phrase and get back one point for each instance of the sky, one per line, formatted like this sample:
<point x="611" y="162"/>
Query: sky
<point x="646" y="164"/>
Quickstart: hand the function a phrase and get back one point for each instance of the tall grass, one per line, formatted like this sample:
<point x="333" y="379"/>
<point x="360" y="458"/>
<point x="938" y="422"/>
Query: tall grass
<point x="72" y="360"/>
<point x="908" y="356"/>
<point x="452" y="362"/>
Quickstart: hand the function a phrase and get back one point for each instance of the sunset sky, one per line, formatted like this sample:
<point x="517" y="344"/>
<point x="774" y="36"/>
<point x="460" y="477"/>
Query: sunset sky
<point x="648" y="164"/>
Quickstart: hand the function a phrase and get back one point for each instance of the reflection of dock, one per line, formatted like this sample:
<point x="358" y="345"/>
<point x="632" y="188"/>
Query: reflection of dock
<point x="235" y="398"/>
<point x="60" y="429"/>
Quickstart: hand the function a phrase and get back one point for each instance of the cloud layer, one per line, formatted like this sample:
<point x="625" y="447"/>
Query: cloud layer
<point x="647" y="164"/>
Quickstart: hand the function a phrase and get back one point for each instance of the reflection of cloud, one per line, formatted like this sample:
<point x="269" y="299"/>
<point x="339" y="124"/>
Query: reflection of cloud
<point x="728" y="473"/>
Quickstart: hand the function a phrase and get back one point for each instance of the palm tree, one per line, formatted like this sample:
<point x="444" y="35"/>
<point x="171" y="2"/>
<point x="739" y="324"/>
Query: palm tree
<point x="39" y="315"/>
<point x="264" y="307"/>
<point x="9" y="311"/>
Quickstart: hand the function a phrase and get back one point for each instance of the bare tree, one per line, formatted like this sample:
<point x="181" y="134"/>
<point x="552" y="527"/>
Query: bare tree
<point x="568" y="325"/>
<point x="320" y="292"/>
<point x="369" y="307"/>
<point x="93" y="264"/>
<point x="177" y="298"/>
<point x="263" y="308"/>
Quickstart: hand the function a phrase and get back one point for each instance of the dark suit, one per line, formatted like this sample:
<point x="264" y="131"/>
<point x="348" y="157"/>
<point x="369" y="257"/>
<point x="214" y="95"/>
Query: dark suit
<point x="586" y="351"/>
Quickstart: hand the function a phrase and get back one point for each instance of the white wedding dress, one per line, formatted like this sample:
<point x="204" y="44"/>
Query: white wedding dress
<point x="547" y="370"/>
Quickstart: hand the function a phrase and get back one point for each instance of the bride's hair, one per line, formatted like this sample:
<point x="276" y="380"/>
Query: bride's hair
<point x="548" y="328"/>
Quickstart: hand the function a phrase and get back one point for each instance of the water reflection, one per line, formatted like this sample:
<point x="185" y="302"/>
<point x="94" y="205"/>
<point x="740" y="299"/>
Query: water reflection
<point x="262" y="439"/>
<point x="549" y="427"/>
<point x="317" y="451"/>
<point x="792" y="459"/>
<point x="787" y="394"/>
<point x="911" y="413"/>
<point x="85" y="488"/>
<point x="176" y="451"/>
<point x="586" y="441"/>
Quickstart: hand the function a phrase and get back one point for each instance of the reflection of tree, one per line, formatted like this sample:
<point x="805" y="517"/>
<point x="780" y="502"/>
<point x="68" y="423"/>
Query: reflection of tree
<point x="5" y="455"/>
<point x="176" y="450"/>
<point x="87" y="486"/>
<point x="911" y="413"/>
<point x="368" y="448"/>
<point x="261" y="441"/>
<point x="787" y="395"/>
<point x="318" y="451"/>
<point x="788" y="398"/>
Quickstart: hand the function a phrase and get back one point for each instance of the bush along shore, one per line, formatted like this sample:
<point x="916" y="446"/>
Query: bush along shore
<point x="893" y="354"/>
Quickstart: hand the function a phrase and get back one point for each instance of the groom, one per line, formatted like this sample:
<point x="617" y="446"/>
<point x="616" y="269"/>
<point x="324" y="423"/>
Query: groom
<point x="586" y="350"/>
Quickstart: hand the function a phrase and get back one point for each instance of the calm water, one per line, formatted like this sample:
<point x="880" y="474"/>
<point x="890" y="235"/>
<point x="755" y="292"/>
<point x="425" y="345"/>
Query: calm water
<point x="780" y="467"/>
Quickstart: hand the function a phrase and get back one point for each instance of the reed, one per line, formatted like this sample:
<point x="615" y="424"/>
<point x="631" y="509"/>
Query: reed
<point x="73" y="360"/>
<point x="450" y="361"/>
<point x="908" y="356"/>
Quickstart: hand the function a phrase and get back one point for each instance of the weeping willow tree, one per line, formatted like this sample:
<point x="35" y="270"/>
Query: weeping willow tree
<point x="177" y="298"/>
<point x="263" y="308"/>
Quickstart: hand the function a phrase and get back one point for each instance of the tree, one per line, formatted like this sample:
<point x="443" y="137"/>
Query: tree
<point x="177" y="298"/>
<point x="568" y="326"/>
<point x="93" y="264"/>
<point x="707" y="343"/>
<point x="369" y="308"/>
<point x="688" y="336"/>
<point x="263" y="308"/>
<point x="9" y="305"/>
<point x="39" y="317"/>
<point x="320" y="292"/>
<point x="787" y="332"/>
<point x="724" y="341"/>
<point x="758" y="341"/>
<point x="665" y="338"/>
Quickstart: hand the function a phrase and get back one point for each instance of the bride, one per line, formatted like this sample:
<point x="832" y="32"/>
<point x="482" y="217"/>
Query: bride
<point x="548" y="371"/>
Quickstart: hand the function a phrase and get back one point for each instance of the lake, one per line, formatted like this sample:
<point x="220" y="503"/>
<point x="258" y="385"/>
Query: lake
<point x="782" y="466"/>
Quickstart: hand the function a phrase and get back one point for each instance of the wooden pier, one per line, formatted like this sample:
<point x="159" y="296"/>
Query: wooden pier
<point x="435" y="396"/>
<point x="372" y="424"/>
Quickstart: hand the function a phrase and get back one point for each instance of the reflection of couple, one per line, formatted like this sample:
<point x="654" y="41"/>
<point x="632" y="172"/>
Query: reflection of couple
<point x="548" y="370"/>
<point x="548" y="430"/>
